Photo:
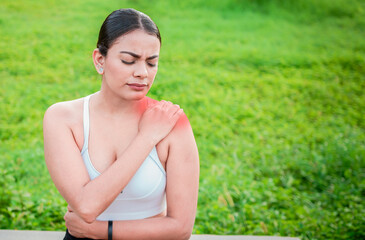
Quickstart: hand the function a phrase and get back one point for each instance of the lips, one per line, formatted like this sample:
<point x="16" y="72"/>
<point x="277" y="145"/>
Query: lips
<point x="137" y="86"/>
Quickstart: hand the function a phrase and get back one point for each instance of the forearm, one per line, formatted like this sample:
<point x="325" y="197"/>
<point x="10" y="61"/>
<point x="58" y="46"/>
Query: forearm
<point x="151" y="228"/>
<point x="97" y="195"/>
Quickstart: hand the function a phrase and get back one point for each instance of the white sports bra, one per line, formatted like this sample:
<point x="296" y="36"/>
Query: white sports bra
<point x="143" y="197"/>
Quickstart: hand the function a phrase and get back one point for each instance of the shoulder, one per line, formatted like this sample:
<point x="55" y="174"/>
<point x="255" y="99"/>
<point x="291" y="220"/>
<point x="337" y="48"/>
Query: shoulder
<point x="63" y="112"/>
<point x="182" y="147"/>
<point x="182" y="133"/>
<point x="181" y="125"/>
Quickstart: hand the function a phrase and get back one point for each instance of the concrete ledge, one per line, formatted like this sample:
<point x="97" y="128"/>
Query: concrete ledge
<point x="238" y="237"/>
<point x="49" y="235"/>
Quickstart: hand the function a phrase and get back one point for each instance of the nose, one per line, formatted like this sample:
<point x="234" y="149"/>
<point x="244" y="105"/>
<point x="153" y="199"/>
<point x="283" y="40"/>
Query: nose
<point x="141" y="70"/>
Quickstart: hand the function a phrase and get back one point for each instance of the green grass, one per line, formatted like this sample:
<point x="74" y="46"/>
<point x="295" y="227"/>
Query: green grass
<point x="274" y="91"/>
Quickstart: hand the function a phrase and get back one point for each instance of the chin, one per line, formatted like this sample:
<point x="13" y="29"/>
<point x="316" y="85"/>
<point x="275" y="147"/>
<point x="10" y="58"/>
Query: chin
<point x="137" y="96"/>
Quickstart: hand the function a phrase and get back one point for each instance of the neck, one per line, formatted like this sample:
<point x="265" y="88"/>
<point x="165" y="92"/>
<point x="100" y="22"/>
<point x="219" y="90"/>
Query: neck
<point x="111" y="104"/>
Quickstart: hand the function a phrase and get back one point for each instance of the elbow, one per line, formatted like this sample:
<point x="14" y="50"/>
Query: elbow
<point x="88" y="218"/>
<point x="85" y="213"/>
<point x="88" y="215"/>
<point x="186" y="234"/>
<point x="87" y="207"/>
<point x="184" y="231"/>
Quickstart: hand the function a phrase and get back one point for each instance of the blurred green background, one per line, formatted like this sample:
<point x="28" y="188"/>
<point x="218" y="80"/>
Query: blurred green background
<point x="274" y="90"/>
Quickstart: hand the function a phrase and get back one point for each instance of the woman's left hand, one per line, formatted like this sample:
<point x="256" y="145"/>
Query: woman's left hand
<point x="75" y="225"/>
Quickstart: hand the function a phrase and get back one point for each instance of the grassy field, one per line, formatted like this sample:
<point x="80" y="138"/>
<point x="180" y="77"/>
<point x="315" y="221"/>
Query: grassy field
<point x="274" y="91"/>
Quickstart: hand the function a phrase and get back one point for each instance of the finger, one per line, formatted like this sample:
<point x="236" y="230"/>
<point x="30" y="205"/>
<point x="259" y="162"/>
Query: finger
<point x="69" y="208"/>
<point x="175" y="117"/>
<point x="174" y="106"/>
<point x="173" y="109"/>
<point x="165" y="105"/>
<point x="153" y="104"/>
<point x="72" y="232"/>
<point x="159" y="104"/>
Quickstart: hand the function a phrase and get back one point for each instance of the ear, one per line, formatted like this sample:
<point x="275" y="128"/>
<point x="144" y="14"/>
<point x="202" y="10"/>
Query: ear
<point x="98" y="61"/>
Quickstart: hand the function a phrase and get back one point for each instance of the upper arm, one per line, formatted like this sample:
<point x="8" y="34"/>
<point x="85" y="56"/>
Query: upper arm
<point x="62" y="155"/>
<point x="182" y="174"/>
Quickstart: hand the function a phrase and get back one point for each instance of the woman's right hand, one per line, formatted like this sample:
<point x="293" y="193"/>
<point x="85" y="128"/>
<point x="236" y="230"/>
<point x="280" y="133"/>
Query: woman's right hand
<point x="158" y="120"/>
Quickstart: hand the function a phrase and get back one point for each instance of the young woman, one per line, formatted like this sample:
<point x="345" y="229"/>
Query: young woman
<point x="126" y="164"/>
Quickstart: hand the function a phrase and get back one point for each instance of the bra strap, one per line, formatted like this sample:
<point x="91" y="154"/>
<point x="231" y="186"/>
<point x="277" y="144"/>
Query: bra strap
<point x="153" y="154"/>
<point x="86" y="123"/>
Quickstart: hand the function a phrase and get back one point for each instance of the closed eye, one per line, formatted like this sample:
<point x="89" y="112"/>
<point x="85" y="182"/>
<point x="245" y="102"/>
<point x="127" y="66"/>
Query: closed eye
<point x="151" y="64"/>
<point x="128" y="63"/>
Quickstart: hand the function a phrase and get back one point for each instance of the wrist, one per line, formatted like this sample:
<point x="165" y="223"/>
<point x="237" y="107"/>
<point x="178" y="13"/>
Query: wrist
<point x="146" y="140"/>
<point x="97" y="230"/>
<point x="142" y="143"/>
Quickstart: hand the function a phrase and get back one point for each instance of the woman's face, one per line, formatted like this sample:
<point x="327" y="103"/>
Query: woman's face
<point x="131" y="64"/>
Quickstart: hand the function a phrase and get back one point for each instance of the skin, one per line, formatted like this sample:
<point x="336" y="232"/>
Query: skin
<point x="125" y="125"/>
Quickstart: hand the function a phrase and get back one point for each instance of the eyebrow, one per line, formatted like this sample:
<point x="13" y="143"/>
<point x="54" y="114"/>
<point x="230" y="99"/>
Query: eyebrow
<point x="139" y="56"/>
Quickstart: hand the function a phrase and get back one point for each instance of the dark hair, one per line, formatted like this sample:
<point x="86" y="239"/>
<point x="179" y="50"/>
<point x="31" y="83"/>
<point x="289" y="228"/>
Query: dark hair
<point x="123" y="21"/>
